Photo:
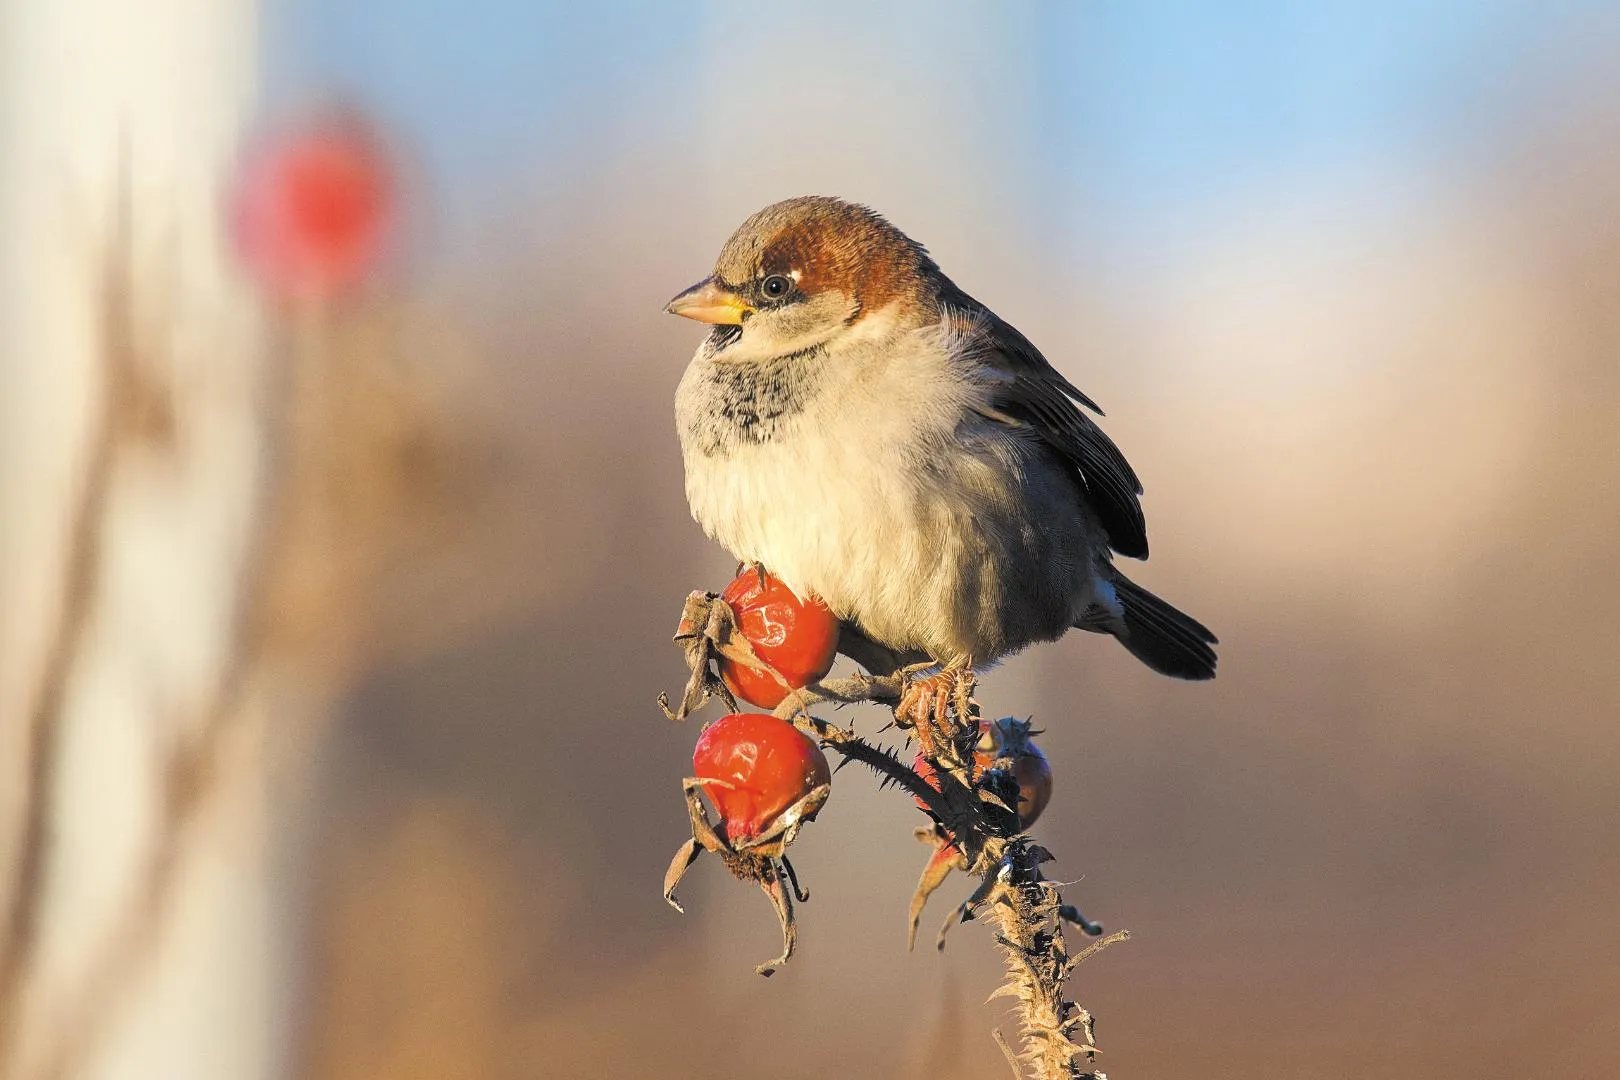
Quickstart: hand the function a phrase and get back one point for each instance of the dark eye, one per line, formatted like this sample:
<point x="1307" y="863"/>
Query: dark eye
<point x="777" y="285"/>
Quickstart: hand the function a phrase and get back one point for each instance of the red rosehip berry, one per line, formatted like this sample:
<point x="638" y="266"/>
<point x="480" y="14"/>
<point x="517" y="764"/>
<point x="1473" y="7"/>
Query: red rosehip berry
<point x="1011" y="738"/>
<point x="799" y="638"/>
<point x="1031" y="771"/>
<point x="764" y="766"/>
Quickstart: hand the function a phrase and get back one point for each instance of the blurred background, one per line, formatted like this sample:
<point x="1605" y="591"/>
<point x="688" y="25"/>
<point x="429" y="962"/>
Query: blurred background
<point x="1347" y="279"/>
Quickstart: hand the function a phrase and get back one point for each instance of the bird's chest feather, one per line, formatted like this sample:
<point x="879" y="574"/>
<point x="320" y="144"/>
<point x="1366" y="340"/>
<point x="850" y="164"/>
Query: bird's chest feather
<point x="854" y="481"/>
<point x="723" y="408"/>
<point x="786" y="470"/>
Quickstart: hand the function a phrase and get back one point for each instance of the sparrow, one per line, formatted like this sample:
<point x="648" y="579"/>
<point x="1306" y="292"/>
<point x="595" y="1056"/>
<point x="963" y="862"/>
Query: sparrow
<point x="872" y="435"/>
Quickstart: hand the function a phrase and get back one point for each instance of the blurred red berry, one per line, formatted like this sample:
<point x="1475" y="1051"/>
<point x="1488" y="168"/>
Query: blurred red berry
<point x="799" y="638"/>
<point x="313" y="206"/>
<point x="767" y="764"/>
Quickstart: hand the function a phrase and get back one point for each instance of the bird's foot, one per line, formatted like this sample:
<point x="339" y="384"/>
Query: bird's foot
<point x="939" y="709"/>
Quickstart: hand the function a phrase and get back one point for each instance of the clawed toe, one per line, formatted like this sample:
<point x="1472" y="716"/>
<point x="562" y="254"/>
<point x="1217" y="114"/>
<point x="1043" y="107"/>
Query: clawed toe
<point x="927" y="704"/>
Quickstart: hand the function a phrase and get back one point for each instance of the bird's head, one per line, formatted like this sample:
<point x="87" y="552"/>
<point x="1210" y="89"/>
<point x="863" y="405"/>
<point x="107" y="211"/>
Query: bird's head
<point x="801" y="272"/>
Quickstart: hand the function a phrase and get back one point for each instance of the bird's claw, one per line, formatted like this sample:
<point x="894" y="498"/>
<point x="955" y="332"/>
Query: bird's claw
<point x="926" y="706"/>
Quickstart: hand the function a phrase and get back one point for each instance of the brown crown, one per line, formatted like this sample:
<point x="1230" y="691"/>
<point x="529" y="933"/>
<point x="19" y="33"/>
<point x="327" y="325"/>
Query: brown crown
<point x="833" y="245"/>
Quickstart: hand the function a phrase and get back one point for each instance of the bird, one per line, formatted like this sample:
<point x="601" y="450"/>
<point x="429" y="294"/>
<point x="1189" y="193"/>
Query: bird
<point x="860" y="426"/>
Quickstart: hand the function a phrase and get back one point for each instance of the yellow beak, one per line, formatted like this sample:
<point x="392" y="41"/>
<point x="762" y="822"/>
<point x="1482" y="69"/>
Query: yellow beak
<point x="709" y="302"/>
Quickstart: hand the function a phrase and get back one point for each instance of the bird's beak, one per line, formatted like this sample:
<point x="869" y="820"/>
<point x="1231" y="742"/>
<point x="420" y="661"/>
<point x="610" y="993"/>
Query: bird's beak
<point x="710" y="302"/>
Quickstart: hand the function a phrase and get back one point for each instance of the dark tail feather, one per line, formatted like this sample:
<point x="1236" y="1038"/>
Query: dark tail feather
<point x="1166" y="640"/>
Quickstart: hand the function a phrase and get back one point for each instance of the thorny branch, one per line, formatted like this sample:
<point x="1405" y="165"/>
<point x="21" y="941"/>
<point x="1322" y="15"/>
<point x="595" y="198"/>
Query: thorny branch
<point x="976" y="829"/>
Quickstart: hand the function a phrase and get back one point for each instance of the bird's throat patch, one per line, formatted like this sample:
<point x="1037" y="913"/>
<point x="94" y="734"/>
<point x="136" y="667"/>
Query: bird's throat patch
<point x="750" y="402"/>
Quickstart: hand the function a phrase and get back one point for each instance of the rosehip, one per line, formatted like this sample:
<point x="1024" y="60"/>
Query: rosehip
<point x="1030" y="769"/>
<point x="312" y="206"/>
<point x="1010" y="737"/>
<point x="765" y="766"/>
<point x="799" y="638"/>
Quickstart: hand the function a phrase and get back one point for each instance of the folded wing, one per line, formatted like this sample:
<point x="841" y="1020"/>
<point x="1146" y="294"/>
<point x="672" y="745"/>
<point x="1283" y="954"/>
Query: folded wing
<point x="1031" y="393"/>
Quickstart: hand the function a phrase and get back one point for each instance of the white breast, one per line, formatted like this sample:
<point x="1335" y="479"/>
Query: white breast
<point x="885" y="495"/>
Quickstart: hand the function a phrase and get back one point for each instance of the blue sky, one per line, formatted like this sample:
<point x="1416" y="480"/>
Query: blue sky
<point x="1173" y="102"/>
<point x="1153" y="110"/>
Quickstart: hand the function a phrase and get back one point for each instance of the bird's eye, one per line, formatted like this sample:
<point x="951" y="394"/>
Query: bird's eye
<point x="777" y="285"/>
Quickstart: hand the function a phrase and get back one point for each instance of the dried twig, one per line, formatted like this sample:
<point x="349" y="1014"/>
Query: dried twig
<point x="318" y="471"/>
<point x="81" y="571"/>
<point x="191" y="775"/>
<point x="137" y="417"/>
<point x="1007" y="1052"/>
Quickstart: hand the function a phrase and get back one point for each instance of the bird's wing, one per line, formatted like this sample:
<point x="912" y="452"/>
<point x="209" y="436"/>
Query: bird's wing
<point x="1029" y="392"/>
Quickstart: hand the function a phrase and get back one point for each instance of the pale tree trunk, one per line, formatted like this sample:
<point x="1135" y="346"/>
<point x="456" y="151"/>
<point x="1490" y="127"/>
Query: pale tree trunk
<point x="137" y="936"/>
